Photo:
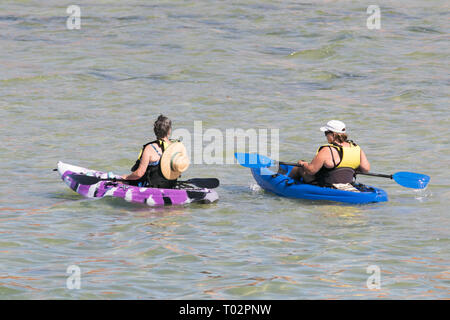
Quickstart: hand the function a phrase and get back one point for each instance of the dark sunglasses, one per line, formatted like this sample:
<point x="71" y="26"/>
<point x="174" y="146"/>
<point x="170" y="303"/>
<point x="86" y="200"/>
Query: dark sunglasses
<point x="328" y="132"/>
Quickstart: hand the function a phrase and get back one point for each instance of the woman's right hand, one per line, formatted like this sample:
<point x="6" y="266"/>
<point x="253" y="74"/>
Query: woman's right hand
<point x="301" y="163"/>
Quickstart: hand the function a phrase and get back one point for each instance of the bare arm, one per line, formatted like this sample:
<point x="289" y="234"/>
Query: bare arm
<point x="148" y="155"/>
<point x="316" y="164"/>
<point x="364" y="165"/>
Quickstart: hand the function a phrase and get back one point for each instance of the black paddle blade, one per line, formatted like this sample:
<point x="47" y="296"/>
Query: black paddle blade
<point x="209" y="183"/>
<point x="86" y="180"/>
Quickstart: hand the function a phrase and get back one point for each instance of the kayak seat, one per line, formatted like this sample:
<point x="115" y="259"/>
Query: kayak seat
<point x="281" y="171"/>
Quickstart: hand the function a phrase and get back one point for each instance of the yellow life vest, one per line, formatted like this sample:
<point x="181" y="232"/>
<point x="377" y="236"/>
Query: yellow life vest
<point x="350" y="156"/>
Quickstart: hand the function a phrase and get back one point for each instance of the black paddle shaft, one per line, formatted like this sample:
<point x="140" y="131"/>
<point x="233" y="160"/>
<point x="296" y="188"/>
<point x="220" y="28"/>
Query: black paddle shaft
<point x="290" y="164"/>
<point x="390" y="176"/>
<point x="209" y="183"/>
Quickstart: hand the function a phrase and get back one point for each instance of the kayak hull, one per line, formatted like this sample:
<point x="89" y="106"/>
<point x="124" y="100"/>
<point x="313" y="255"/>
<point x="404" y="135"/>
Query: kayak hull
<point x="282" y="185"/>
<point x="149" y="196"/>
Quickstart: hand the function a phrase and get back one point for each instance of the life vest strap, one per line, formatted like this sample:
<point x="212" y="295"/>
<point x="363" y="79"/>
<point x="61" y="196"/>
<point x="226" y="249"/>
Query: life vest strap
<point x="344" y="171"/>
<point x="153" y="177"/>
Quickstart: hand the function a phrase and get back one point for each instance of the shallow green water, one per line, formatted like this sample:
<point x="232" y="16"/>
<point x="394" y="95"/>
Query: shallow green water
<point x="89" y="97"/>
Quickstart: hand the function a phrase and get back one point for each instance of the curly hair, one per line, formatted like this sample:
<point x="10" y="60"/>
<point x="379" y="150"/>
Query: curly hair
<point x="162" y="127"/>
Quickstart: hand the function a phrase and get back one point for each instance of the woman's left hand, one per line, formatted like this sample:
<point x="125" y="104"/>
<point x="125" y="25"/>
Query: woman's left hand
<point x="124" y="177"/>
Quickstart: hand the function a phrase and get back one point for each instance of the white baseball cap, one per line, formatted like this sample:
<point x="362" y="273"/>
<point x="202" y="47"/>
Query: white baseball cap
<point x="335" y="126"/>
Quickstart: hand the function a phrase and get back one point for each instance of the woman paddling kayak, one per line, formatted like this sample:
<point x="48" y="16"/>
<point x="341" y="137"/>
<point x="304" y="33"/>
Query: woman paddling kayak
<point x="336" y="162"/>
<point x="161" y="161"/>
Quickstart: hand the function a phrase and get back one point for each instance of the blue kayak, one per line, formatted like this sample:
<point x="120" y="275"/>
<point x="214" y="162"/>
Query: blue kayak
<point x="282" y="185"/>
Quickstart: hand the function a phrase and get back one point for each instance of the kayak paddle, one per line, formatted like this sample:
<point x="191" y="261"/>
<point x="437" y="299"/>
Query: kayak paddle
<point x="406" y="179"/>
<point x="253" y="160"/>
<point x="209" y="183"/>
<point x="403" y="178"/>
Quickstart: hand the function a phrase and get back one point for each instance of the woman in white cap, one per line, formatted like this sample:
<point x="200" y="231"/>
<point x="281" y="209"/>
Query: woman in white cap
<point x="161" y="161"/>
<point x="335" y="162"/>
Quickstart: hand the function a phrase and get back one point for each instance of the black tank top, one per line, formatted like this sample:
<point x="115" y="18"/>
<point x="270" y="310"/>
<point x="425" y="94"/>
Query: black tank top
<point x="153" y="176"/>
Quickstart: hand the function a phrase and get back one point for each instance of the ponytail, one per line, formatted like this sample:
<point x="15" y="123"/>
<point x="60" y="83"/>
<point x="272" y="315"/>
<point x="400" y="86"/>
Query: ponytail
<point x="340" y="137"/>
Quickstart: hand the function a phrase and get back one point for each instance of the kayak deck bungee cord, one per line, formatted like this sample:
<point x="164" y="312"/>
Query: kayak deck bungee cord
<point x="117" y="189"/>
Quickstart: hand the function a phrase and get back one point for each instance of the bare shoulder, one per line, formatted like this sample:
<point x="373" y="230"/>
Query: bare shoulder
<point x="322" y="155"/>
<point x="153" y="151"/>
<point x="149" y="149"/>
<point x="324" y="152"/>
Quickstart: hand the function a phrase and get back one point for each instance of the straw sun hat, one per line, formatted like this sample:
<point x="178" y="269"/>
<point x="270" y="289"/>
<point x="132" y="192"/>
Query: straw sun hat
<point x="174" y="161"/>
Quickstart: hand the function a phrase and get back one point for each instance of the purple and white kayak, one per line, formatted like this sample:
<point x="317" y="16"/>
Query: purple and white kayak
<point x="149" y="196"/>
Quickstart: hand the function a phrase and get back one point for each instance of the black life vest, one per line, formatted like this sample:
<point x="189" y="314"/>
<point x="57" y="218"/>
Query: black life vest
<point x="153" y="176"/>
<point x="342" y="172"/>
